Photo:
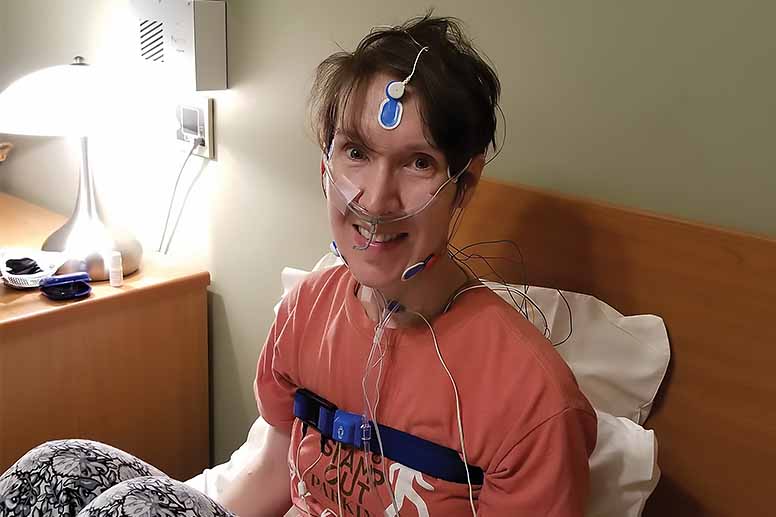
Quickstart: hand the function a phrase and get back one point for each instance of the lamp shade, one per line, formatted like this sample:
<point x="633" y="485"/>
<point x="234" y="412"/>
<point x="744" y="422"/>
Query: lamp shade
<point x="69" y="100"/>
<point x="56" y="101"/>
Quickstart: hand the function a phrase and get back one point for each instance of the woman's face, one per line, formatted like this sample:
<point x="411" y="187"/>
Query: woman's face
<point x="394" y="170"/>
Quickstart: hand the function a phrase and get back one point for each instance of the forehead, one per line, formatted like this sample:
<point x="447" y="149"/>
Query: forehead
<point x="360" y="119"/>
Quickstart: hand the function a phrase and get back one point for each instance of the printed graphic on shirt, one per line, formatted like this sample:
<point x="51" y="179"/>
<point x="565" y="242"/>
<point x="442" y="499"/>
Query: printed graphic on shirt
<point x="404" y="489"/>
<point x="349" y="474"/>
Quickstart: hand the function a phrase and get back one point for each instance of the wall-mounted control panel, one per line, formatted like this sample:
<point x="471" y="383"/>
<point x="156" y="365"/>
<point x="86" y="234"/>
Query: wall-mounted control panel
<point x="195" y="120"/>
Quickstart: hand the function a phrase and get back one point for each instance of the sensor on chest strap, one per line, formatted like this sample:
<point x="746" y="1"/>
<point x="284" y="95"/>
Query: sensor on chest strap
<point x="409" y="450"/>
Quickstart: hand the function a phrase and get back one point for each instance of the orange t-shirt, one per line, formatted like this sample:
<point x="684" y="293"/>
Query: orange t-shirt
<point x="525" y="422"/>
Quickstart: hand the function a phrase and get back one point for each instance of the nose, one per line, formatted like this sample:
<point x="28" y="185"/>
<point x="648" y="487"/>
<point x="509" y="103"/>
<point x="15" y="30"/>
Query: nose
<point x="380" y="190"/>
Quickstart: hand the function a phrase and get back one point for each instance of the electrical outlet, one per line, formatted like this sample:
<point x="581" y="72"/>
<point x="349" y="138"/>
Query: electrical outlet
<point x="195" y="120"/>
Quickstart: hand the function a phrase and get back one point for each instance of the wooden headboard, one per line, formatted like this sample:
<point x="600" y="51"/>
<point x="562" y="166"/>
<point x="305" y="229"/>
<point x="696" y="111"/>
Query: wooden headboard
<point x="715" y="414"/>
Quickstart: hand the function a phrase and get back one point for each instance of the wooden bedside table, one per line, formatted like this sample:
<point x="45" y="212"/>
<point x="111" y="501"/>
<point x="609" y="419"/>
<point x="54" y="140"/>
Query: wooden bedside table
<point x="127" y="366"/>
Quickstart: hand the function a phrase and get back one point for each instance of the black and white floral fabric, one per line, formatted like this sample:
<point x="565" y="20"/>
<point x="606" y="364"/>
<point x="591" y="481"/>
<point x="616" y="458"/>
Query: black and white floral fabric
<point x="82" y="478"/>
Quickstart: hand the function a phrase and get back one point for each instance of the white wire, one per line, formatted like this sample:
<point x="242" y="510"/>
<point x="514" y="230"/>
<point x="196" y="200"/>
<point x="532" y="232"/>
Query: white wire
<point x="373" y="417"/>
<point x="308" y="469"/>
<point x="525" y="296"/>
<point x="379" y="361"/>
<point x="377" y="382"/>
<point x="459" y="293"/>
<point x="457" y="409"/>
<point x="339" y="496"/>
<point x="385" y="475"/>
<point x="194" y="145"/>
<point x="379" y="439"/>
<point x="295" y="471"/>
<point x="364" y="215"/>
<point x="424" y="49"/>
<point x="375" y="341"/>
<point x="300" y="477"/>
<point x="512" y="290"/>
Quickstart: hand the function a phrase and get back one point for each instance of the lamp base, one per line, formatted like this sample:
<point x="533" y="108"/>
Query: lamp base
<point x="95" y="262"/>
<point x="85" y="239"/>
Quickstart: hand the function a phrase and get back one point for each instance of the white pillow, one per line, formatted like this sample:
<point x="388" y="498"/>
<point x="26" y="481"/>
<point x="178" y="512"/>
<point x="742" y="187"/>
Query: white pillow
<point x="623" y="467"/>
<point x="619" y="361"/>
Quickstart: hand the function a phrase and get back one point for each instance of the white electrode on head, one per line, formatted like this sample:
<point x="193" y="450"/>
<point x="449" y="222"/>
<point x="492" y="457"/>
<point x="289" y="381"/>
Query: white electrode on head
<point x="116" y="272"/>
<point x="395" y="90"/>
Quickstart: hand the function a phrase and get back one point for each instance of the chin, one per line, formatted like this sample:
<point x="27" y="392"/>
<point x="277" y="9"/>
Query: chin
<point x="373" y="275"/>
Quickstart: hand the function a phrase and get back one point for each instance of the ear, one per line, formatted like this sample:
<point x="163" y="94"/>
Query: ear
<point x="469" y="181"/>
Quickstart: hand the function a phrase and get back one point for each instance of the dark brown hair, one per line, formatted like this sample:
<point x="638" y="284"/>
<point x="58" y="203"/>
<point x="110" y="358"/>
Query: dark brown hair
<point x="457" y="90"/>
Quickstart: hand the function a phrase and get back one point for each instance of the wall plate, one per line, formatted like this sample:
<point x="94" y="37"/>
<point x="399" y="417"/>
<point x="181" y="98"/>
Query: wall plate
<point x="195" y="119"/>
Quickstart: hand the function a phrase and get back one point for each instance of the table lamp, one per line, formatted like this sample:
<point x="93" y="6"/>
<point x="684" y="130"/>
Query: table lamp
<point x="62" y="101"/>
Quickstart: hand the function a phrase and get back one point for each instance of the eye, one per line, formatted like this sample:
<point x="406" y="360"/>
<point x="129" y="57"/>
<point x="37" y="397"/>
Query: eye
<point x="422" y="163"/>
<point x="354" y="153"/>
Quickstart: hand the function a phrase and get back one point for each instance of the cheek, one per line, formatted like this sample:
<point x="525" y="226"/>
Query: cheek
<point x="434" y="226"/>
<point x="336" y="219"/>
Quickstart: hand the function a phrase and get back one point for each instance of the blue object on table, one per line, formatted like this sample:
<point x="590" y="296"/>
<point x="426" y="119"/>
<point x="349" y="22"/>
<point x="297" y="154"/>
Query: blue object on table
<point x="66" y="287"/>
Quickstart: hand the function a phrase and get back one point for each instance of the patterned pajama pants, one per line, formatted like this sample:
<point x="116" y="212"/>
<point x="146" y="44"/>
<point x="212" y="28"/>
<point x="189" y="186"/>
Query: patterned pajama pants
<point x="70" y="478"/>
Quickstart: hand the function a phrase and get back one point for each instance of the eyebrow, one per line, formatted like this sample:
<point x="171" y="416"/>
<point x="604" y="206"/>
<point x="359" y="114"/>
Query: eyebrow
<point x="412" y="147"/>
<point x="354" y="137"/>
<point x="424" y="147"/>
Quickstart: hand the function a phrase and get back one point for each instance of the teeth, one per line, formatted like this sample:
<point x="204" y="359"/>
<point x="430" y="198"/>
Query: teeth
<point x="379" y="237"/>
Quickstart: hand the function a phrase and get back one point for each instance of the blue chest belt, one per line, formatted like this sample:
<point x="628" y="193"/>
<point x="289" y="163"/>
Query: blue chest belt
<point x="416" y="453"/>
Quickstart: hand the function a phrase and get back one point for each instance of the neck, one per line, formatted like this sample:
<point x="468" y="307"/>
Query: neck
<point x="427" y="293"/>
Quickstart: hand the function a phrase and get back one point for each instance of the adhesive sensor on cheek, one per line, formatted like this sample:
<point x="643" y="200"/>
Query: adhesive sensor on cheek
<point x="417" y="268"/>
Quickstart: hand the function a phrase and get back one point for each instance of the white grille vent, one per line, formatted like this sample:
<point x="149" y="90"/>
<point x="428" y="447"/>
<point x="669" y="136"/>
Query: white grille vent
<point x="152" y="40"/>
<point x="182" y="41"/>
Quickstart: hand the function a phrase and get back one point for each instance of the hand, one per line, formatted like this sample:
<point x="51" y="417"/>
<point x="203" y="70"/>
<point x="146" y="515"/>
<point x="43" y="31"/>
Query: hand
<point x="5" y="149"/>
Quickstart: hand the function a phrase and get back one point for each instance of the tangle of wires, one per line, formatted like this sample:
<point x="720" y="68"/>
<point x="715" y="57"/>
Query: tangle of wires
<point x="462" y="257"/>
<point x="525" y="304"/>
<point x="370" y="411"/>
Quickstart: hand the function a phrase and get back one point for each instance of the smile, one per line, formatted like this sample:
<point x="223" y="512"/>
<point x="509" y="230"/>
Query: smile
<point x="379" y="237"/>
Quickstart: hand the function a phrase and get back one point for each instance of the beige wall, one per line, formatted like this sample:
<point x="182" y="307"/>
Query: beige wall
<point x="3" y="43"/>
<point x="663" y="105"/>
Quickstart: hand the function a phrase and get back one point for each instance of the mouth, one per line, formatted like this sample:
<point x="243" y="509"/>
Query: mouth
<point x="380" y="239"/>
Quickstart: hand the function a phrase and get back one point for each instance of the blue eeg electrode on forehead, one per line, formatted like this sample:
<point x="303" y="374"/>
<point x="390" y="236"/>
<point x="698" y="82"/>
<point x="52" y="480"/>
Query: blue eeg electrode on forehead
<point x="389" y="115"/>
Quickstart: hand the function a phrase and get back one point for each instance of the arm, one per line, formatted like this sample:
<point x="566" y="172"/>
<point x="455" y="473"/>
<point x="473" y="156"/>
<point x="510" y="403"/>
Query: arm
<point x="262" y="487"/>
<point x="545" y="472"/>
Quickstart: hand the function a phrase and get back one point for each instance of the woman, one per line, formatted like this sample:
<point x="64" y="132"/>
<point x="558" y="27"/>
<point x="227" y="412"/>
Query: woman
<point x="394" y="384"/>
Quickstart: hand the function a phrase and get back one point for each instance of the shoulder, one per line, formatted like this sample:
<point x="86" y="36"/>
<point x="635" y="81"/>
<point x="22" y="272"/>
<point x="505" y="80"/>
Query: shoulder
<point x="520" y="363"/>
<point x="324" y="283"/>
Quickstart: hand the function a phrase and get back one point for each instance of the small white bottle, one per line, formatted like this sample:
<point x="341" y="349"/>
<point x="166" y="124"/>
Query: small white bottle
<point x="116" y="272"/>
